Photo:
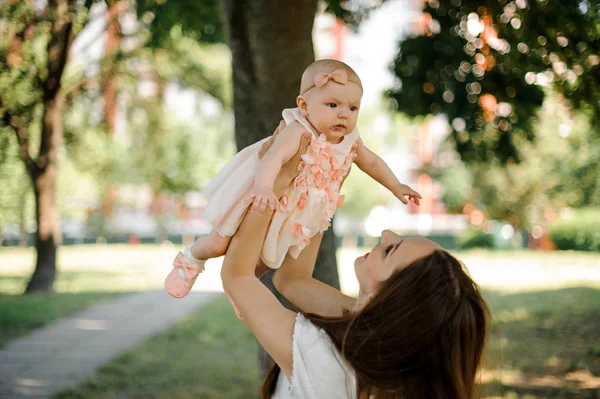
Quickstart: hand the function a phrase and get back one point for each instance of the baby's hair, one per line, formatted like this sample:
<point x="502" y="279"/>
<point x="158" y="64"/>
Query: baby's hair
<point x="326" y="66"/>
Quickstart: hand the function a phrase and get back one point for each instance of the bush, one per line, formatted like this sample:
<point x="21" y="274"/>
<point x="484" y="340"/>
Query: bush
<point x="580" y="233"/>
<point x="474" y="238"/>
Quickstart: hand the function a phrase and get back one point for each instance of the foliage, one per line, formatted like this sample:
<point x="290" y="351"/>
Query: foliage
<point x="194" y="65"/>
<point x="89" y="160"/>
<point x="16" y="196"/>
<point x="199" y="20"/>
<point x="352" y="12"/>
<point x="474" y="238"/>
<point x="580" y="232"/>
<point x="173" y="155"/>
<point x="457" y="183"/>
<point x="25" y="36"/>
<point x="561" y="168"/>
<point x="484" y="64"/>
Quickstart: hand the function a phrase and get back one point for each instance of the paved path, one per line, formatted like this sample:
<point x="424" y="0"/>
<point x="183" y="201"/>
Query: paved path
<point x="58" y="355"/>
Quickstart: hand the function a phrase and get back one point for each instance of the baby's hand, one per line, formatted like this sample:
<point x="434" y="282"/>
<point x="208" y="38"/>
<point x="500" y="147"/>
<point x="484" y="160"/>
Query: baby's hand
<point x="402" y="190"/>
<point x="262" y="197"/>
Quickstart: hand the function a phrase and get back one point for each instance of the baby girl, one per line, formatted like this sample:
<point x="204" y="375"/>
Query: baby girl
<point x="328" y="106"/>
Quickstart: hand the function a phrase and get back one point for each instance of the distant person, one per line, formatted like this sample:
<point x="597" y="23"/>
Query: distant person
<point x="328" y="107"/>
<point x="417" y="330"/>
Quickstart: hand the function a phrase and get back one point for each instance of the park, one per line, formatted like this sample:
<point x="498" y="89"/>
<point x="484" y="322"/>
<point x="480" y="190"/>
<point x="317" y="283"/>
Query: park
<point x="116" y="114"/>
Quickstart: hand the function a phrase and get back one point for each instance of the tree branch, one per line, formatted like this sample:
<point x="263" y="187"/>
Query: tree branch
<point x="22" y="138"/>
<point x="115" y="62"/>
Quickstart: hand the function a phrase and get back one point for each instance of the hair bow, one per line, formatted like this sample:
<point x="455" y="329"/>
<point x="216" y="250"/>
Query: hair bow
<point x="339" y="76"/>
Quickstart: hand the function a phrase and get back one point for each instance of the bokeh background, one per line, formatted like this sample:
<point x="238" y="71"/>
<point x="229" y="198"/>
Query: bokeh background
<point x="115" y="114"/>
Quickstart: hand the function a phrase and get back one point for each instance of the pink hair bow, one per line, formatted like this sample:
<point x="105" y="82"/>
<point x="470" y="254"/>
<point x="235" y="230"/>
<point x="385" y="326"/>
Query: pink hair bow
<point x="338" y="76"/>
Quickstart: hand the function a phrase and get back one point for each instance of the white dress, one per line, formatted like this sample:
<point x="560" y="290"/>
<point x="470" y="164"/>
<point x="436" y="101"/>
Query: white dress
<point x="318" y="370"/>
<point x="306" y="207"/>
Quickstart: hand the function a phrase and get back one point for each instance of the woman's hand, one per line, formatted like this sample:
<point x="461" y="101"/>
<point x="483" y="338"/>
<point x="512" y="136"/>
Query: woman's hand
<point x="289" y="170"/>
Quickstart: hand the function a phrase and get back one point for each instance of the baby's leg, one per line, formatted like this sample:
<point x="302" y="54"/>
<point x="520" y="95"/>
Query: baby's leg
<point x="189" y="263"/>
<point x="209" y="246"/>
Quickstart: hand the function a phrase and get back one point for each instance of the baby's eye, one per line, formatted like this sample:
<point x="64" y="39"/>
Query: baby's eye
<point x="332" y="105"/>
<point x="353" y="108"/>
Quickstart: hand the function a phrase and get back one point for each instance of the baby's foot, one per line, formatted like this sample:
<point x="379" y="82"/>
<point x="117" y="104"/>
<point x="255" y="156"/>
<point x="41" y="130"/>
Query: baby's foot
<point x="185" y="271"/>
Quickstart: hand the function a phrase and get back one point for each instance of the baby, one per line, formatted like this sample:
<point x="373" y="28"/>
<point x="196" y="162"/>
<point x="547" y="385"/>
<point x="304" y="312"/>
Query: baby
<point x="328" y="107"/>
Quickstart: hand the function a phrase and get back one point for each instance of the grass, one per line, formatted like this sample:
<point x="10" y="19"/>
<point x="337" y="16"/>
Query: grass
<point x="210" y="354"/>
<point x="545" y="342"/>
<point x="86" y="276"/>
<point x="549" y="342"/>
<point x="96" y="268"/>
<point x="20" y="315"/>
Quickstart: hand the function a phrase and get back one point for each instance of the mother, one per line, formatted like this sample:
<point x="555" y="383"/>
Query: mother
<point x="417" y="329"/>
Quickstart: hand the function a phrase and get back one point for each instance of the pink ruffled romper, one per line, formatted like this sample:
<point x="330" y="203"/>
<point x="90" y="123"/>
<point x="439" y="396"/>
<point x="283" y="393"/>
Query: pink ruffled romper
<point x="306" y="207"/>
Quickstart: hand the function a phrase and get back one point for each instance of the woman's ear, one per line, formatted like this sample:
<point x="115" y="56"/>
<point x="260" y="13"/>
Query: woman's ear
<point x="302" y="105"/>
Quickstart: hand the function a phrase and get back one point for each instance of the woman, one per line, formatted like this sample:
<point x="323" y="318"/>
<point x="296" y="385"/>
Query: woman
<point x="417" y="329"/>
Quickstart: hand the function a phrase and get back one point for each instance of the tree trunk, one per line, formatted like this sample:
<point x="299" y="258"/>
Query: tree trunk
<point x="48" y="236"/>
<point x="43" y="170"/>
<point x="271" y="45"/>
<point x="112" y="44"/>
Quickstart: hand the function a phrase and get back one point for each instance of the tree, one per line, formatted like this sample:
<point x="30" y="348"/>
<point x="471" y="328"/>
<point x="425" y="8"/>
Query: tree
<point x="38" y="86"/>
<point x="271" y="45"/>
<point x="484" y="64"/>
<point x="32" y="97"/>
<point x="559" y="169"/>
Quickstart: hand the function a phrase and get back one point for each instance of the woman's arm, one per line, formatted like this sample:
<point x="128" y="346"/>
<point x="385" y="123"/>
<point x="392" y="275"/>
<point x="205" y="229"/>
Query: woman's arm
<point x="269" y="321"/>
<point x="294" y="278"/>
<point x="376" y="168"/>
<point x="295" y="282"/>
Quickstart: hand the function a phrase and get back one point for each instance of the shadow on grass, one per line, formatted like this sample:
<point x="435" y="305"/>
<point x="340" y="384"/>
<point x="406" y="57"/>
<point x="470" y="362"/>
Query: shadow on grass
<point x="209" y="354"/>
<point x="544" y="344"/>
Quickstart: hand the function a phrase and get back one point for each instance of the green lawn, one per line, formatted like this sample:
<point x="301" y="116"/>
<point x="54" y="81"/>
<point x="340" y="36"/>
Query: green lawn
<point x="210" y="354"/>
<point x="549" y="342"/>
<point x="545" y="344"/>
<point x="545" y="306"/>
<point x="20" y="315"/>
<point x="86" y="275"/>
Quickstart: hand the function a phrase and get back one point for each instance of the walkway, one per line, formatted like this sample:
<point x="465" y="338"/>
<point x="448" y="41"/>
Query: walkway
<point x="58" y="355"/>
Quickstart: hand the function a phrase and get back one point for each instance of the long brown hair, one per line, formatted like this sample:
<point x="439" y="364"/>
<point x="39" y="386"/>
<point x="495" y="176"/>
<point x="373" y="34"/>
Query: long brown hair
<point x="422" y="335"/>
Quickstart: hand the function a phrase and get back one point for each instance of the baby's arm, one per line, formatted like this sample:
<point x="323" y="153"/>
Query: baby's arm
<point x="375" y="167"/>
<point x="283" y="149"/>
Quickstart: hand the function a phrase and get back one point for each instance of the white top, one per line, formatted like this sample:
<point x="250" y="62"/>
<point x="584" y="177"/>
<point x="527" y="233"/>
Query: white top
<point x="319" y="371"/>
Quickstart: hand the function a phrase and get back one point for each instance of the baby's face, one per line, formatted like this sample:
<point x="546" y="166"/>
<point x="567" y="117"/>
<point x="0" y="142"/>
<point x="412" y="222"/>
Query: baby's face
<point x="332" y="109"/>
